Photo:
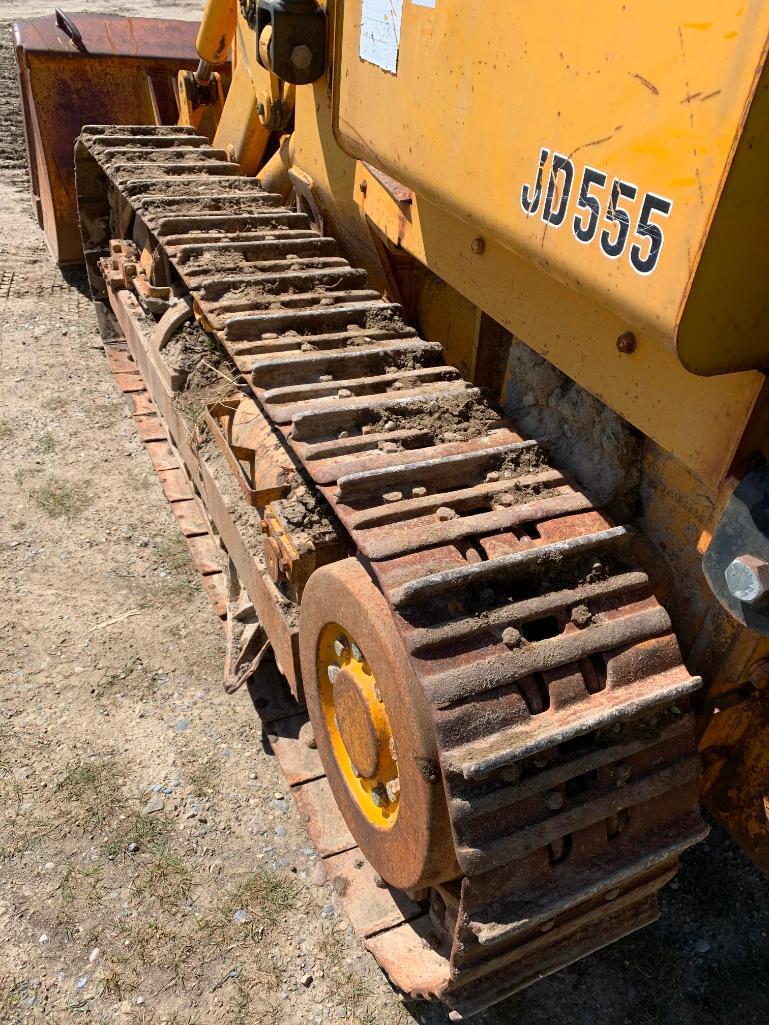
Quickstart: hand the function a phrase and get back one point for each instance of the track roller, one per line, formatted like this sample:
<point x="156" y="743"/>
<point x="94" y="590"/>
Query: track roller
<point x="373" y="728"/>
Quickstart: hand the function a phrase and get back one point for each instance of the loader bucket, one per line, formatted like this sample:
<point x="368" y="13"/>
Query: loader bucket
<point x="80" y="69"/>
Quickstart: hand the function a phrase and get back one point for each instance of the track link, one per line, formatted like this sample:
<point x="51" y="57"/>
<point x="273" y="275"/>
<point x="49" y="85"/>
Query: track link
<point x="559" y="696"/>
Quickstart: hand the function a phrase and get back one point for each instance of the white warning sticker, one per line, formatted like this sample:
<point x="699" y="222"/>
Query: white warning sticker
<point x="380" y="33"/>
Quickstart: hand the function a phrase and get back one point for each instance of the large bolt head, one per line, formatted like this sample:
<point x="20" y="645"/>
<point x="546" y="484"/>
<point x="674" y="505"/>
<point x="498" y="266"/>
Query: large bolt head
<point x="301" y="57"/>
<point x="748" y="579"/>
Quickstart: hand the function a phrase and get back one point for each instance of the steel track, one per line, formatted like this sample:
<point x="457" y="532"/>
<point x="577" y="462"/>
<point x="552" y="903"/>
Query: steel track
<point x="559" y="697"/>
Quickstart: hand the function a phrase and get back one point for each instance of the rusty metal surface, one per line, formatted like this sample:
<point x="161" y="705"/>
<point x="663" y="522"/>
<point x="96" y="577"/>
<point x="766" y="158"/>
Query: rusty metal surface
<point x="240" y="430"/>
<point x="122" y="71"/>
<point x="554" y="683"/>
<point x="417" y="848"/>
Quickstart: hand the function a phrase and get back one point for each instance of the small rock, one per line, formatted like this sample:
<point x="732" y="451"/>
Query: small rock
<point x="133" y="848"/>
<point x="140" y="1001"/>
<point x="281" y="831"/>
<point x="43" y="938"/>
<point x="702" y="946"/>
<point x="241" y="916"/>
<point x="306" y="981"/>
<point x="319" y="875"/>
<point x="307" y="735"/>
<point x="379" y="881"/>
<point x="94" y="955"/>
<point x="278" y="796"/>
<point x="444" y="513"/>
<point x="82" y="982"/>
<point x="155" y="804"/>
<point x="505" y="500"/>
<point x="581" y="616"/>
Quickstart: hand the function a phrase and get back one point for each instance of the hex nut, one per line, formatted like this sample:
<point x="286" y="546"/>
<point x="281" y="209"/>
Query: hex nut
<point x="748" y="579"/>
<point x="554" y="800"/>
<point x="379" y="796"/>
<point x="511" y="637"/>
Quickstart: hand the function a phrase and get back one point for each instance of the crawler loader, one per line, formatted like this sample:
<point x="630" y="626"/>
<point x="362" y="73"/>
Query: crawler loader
<point x="445" y="326"/>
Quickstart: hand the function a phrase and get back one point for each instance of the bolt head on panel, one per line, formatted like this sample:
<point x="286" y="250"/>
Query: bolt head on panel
<point x="301" y="57"/>
<point x="748" y="579"/>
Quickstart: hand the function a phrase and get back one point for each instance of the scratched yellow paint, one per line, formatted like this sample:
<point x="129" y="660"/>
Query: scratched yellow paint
<point x="651" y="93"/>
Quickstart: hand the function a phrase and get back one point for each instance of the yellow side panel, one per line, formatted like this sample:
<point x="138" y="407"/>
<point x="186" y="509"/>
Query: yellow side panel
<point x="592" y="140"/>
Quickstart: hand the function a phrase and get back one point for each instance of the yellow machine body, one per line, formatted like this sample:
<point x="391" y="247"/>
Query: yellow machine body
<point x="536" y="128"/>
<point x="466" y="138"/>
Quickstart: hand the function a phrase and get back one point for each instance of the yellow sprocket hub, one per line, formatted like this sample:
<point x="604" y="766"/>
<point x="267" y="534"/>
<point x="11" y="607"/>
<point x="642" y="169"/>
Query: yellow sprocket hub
<point x="358" y="726"/>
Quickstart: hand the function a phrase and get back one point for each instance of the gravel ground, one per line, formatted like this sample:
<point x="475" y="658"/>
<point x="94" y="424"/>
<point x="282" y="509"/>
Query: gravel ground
<point x="153" y="868"/>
